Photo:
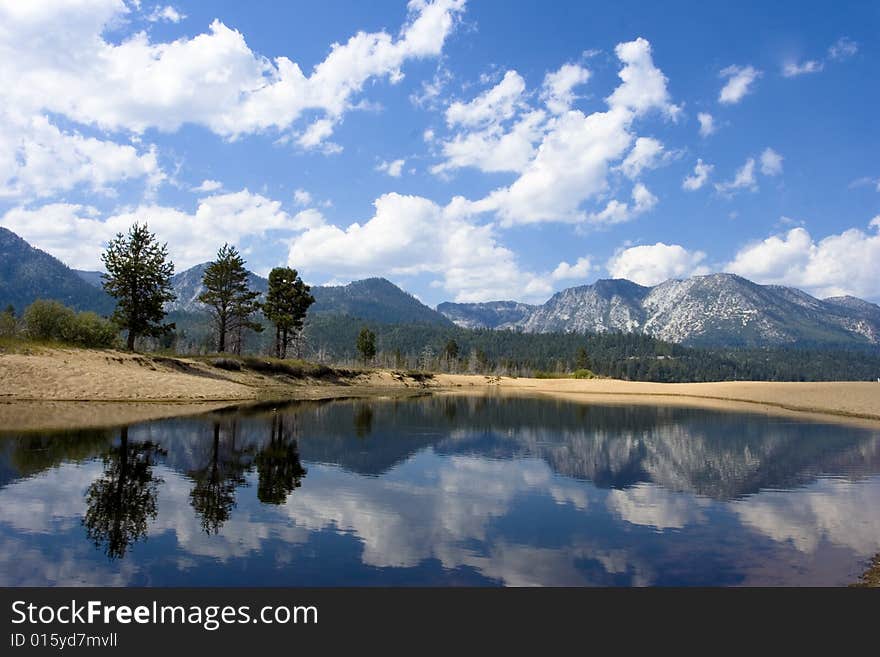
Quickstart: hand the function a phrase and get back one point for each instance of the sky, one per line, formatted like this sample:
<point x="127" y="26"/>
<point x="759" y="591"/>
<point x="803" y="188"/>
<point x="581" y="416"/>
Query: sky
<point x="467" y="151"/>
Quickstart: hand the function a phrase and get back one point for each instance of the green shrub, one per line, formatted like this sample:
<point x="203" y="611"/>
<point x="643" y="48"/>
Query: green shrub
<point x="8" y="325"/>
<point x="90" y="330"/>
<point x="541" y="374"/>
<point x="50" y="320"/>
<point x="583" y="374"/>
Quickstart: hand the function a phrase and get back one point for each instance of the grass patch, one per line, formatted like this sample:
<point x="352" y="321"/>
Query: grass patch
<point x="577" y="374"/>
<point x="227" y="364"/>
<point x="28" y="346"/>
<point x="295" y="368"/>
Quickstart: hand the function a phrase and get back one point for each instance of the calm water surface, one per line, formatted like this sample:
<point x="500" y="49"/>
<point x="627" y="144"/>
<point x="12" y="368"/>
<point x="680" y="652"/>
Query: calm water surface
<point x="442" y="491"/>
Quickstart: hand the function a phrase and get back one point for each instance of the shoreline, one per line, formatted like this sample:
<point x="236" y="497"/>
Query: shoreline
<point x="71" y="388"/>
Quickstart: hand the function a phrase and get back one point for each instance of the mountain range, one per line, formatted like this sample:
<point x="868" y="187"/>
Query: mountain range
<point x="716" y="309"/>
<point x="712" y="310"/>
<point x="26" y="274"/>
<point x="371" y="299"/>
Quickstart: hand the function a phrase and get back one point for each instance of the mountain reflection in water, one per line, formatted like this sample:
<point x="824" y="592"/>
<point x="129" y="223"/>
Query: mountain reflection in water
<point x="442" y="491"/>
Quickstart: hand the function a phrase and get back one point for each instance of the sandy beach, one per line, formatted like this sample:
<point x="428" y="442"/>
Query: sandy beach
<point x="56" y="388"/>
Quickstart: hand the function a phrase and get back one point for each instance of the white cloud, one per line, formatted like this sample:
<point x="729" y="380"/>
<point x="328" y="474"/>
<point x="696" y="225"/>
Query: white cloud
<point x="77" y="234"/>
<point x="562" y="160"/>
<point x="393" y="168"/>
<point x="308" y="219"/>
<point x="494" y="148"/>
<point x="208" y="186"/>
<point x="492" y="106"/>
<point x="699" y="178"/>
<point x="39" y="160"/>
<point x="58" y="61"/>
<point x="166" y="13"/>
<point x="707" y="124"/>
<point x="579" y="270"/>
<point x="739" y="83"/>
<point x="616" y="212"/>
<point x="844" y="263"/>
<point x="771" y="162"/>
<point x="571" y="164"/>
<point x="653" y="264"/>
<point x="432" y="90"/>
<point x="793" y="69"/>
<point x="843" y="48"/>
<point x="744" y="179"/>
<point x="411" y="235"/>
<point x="644" y="155"/>
<point x="644" y="85"/>
<point x="302" y="197"/>
<point x="866" y="181"/>
<point x="557" y="93"/>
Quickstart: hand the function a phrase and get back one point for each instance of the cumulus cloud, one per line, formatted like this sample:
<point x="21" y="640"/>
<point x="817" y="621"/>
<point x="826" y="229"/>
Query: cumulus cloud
<point x="794" y="69"/>
<point x="495" y="148"/>
<point x="707" y="124"/>
<point x="844" y="263"/>
<point x="644" y="155"/>
<point x="866" y="181"/>
<point x="699" y="177"/>
<point x="410" y="235"/>
<point x="58" y="61"/>
<point x="493" y="106"/>
<point x="557" y="92"/>
<point x="771" y="162"/>
<point x="302" y="197"/>
<point x="739" y="83"/>
<point x="77" y="234"/>
<point x="393" y="168"/>
<point x="208" y="186"/>
<point x="744" y="179"/>
<point x="655" y="263"/>
<point x="579" y="270"/>
<point x="167" y="13"/>
<point x="644" y="87"/>
<point x="497" y="131"/>
<point x="617" y="212"/>
<point x="574" y="153"/>
<point x="38" y="160"/>
<point x="843" y="48"/>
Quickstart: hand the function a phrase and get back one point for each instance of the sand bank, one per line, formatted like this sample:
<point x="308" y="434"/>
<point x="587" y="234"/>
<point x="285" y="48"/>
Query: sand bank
<point x="55" y="388"/>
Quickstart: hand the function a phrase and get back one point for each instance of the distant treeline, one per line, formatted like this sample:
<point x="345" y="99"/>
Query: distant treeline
<point x="333" y="340"/>
<point x="620" y="355"/>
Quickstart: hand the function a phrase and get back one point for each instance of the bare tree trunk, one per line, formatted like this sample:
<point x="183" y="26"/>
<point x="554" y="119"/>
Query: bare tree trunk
<point x="222" y="337"/>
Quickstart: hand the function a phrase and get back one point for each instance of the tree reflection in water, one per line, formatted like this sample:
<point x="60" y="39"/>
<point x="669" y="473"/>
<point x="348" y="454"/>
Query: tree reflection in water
<point x="213" y="495"/>
<point x="278" y="465"/>
<point x="363" y="420"/>
<point x="123" y="500"/>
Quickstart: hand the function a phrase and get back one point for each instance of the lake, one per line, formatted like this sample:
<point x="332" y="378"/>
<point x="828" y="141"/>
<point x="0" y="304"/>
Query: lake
<point x="442" y="490"/>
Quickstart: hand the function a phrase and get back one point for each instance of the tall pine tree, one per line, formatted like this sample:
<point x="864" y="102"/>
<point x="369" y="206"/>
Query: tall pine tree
<point x="287" y="303"/>
<point x="139" y="276"/>
<point x="227" y="295"/>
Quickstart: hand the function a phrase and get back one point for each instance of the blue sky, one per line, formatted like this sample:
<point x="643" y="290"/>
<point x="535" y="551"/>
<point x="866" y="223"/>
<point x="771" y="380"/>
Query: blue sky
<point x="467" y="151"/>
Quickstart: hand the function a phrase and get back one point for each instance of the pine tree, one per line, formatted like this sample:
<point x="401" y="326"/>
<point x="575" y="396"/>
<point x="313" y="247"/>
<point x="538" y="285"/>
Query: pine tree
<point x="139" y="276"/>
<point x="227" y="295"/>
<point x="366" y="344"/>
<point x="287" y="303"/>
